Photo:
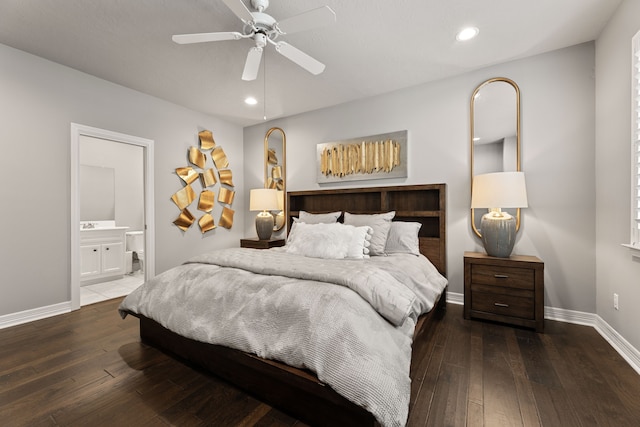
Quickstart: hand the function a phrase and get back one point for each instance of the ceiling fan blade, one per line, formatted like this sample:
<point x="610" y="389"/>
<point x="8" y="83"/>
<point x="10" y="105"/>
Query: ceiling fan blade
<point x="314" y="18"/>
<point x="240" y="10"/>
<point x="299" y="57"/>
<point x="252" y="65"/>
<point x="205" y="37"/>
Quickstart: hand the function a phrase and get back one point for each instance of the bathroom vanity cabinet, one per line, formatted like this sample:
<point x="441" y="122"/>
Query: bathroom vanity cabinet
<point x="102" y="254"/>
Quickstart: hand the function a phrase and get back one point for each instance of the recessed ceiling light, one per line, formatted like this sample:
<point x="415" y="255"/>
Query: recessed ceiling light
<point x="467" y="34"/>
<point x="251" y="101"/>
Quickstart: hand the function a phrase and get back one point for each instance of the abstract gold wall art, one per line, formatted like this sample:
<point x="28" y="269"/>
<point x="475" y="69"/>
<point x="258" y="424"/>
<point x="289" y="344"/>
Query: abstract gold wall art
<point x="188" y="175"/>
<point x="184" y="220"/>
<point x="226" y="196"/>
<point x="226" y="177"/>
<point x="208" y="178"/>
<point x="370" y="157"/>
<point x="226" y="218"/>
<point x="206" y="223"/>
<point x="197" y="157"/>
<point x="207" y="198"/>
<point x="184" y="197"/>
<point x="206" y="140"/>
<point x="219" y="158"/>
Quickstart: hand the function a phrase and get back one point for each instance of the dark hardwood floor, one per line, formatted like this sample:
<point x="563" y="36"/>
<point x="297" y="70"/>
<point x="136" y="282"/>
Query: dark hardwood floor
<point x="88" y="368"/>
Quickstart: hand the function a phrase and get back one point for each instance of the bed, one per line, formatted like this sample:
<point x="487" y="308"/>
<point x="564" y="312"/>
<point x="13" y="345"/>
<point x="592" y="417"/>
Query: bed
<point x="298" y="390"/>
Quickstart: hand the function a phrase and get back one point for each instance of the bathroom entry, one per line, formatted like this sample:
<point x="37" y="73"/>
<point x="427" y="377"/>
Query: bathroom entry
<point x="112" y="212"/>
<point x="111" y="218"/>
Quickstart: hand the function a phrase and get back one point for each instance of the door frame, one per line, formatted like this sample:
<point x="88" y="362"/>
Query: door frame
<point x="78" y="130"/>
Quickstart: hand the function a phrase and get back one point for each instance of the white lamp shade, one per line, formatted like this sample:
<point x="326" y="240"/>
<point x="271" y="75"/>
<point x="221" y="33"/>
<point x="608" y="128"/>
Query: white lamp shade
<point x="499" y="190"/>
<point x="280" y="200"/>
<point x="263" y="199"/>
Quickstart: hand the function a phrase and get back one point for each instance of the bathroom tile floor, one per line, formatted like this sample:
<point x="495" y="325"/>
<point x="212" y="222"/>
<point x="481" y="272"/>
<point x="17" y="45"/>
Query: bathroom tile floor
<point x="92" y="294"/>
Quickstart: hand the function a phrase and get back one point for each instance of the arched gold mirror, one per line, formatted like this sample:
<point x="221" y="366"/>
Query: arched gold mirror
<point x="275" y="161"/>
<point x="495" y="134"/>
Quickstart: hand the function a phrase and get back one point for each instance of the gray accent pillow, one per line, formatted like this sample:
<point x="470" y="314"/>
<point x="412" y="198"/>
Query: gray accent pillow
<point x="381" y="224"/>
<point x="326" y="218"/>
<point x="403" y="238"/>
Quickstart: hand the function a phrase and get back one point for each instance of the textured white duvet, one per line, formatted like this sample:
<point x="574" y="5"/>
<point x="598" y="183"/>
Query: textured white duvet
<point x="349" y="321"/>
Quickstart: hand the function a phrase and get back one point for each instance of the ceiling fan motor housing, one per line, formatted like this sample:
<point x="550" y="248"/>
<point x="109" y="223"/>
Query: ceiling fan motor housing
<point x="260" y="5"/>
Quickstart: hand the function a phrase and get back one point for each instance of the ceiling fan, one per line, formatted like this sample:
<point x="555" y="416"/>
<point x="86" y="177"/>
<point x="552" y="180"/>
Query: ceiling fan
<point x="264" y="29"/>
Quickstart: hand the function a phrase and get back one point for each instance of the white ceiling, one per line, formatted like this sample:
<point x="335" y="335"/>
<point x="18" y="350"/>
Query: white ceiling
<point x="376" y="46"/>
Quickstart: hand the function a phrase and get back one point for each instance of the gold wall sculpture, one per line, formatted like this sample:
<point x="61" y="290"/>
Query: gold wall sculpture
<point x="183" y="198"/>
<point x="207" y="198"/>
<point x="208" y="178"/>
<point x="226" y="219"/>
<point x="197" y="157"/>
<point x="371" y="157"/>
<point x="184" y="220"/>
<point x="206" y="140"/>
<point x="206" y="223"/>
<point x="189" y="175"/>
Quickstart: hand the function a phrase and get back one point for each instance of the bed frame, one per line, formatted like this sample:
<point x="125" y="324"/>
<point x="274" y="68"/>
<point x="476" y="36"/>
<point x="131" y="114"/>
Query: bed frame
<point x="296" y="391"/>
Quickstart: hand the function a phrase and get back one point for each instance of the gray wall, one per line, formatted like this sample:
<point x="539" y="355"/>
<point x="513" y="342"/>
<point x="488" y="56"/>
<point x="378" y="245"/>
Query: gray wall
<point x="617" y="270"/>
<point x="557" y="157"/>
<point x="39" y="101"/>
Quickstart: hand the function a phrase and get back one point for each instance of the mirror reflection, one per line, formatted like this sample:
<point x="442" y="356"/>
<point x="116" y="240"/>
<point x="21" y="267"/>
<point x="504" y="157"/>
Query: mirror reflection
<point x="275" y="143"/>
<point x="495" y="134"/>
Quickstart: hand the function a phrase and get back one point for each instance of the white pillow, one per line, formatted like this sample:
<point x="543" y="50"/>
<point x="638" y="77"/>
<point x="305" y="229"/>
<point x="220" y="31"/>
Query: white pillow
<point x="403" y="238"/>
<point x="329" y="241"/>
<point x="381" y="223"/>
<point x="326" y="218"/>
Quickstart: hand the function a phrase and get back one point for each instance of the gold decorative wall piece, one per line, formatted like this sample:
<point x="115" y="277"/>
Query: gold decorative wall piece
<point x="226" y="196"/>
<point x="206" y="223"/>
<point x="276" y="172"/>
<point x="226" y="218"/>
<point x="187" y="174"/>
<point x="226" y="177"/>
<point x="371" y="157"/>
<point x="219" y="158"/>
<point x="206" y="140"/>
<point x="183" y="198"/>
<point x="197" y="157"/>
<point x="184" y="220"/>
<point x="272" y="158"/>
<point x="207" y="199"/>
<point x="208" y="178"/>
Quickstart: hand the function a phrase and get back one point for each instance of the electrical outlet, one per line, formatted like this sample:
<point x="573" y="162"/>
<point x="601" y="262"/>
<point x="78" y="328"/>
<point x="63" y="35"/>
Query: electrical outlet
<point x="615" y="302"/>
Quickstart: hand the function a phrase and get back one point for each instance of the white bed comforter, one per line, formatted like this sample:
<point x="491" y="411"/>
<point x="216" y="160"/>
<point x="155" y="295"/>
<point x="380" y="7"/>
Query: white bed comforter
<point x="355" y="336"/>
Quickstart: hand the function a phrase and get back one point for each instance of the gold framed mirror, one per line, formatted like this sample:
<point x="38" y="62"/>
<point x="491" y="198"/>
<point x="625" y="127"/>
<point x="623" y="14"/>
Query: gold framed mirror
<point x="495" y="134"/>
<point x="275" y="161"/>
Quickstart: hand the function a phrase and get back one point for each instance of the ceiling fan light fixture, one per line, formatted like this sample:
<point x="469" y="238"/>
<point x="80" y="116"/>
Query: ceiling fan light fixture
<point x="467" y="34"/>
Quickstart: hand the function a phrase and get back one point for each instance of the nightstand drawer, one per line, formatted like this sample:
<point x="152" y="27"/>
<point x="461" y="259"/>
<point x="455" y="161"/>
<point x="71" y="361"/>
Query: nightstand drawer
<point x="506" y="305"/>
<point x="513" y="277"/>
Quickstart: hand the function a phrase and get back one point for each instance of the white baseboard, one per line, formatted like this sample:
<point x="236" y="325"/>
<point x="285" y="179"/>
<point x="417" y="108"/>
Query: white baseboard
<point x="455" y="298"/>
<point x="617" y="341"/>
<point x="21" y="317"/>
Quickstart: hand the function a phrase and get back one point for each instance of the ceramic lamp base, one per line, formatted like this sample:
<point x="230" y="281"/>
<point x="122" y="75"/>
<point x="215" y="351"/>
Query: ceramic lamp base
<point x="498" y="235"/>
<point x="264" y="225"/>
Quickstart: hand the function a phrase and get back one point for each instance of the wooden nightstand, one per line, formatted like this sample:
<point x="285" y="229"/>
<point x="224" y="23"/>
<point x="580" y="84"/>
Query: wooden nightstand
<point x="261" y="244"/>
<point x="509" y="290"/>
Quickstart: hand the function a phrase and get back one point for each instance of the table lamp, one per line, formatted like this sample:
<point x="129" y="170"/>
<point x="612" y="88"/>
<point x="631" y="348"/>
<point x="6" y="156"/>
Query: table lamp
<point x="497" y="191"/>
<point x="265" y="200"/>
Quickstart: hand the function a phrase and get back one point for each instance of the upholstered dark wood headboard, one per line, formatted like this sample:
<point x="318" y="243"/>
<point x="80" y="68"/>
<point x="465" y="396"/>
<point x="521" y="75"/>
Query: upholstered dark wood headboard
<point x="425" y="204"/>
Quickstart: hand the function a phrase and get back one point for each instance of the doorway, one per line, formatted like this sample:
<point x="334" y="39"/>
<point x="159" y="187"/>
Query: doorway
<point x="88" y="146"/>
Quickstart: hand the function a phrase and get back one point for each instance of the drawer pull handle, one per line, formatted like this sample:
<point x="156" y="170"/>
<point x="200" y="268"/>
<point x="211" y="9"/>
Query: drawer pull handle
<point x="500" y="276"/>
<point x="499" y="304"/>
